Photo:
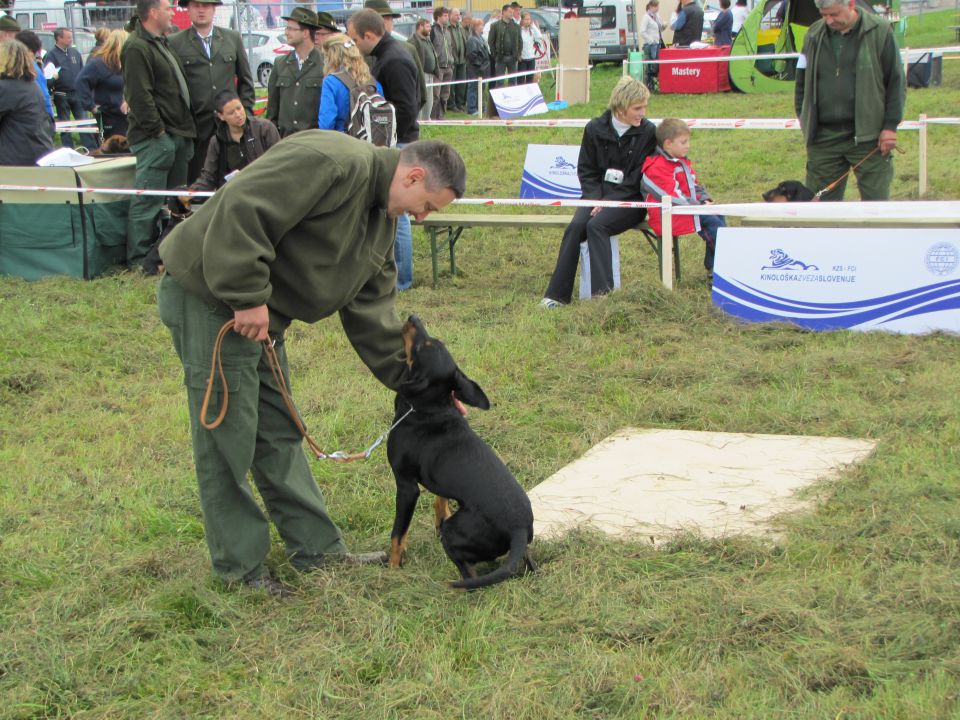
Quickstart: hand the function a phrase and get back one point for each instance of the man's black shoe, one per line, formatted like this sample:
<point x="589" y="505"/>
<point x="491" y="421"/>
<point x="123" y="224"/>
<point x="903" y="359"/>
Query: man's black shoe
<point x="272" y="587"/>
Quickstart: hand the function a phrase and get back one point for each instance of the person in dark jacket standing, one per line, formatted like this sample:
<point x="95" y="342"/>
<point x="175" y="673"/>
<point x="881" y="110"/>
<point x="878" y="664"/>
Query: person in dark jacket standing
<point x="68" y="62"/>
<point x="849" y="98"/>
<point x="293" y="91"/>
<point x="443" y="45"/>
<point x="303" y="233"/>
<point x="397" y="73"/>
<point x="459" y="34"/>
<point x="238" y="140"/>
<point x="506" y="44"/>
<point x="610" y="167"/>
<point x="722" y="27"/>
<point x="688" y="26"/>
<point x="389" y="14"/>
<point x="214" y="60"/>
<point x="100" y="85"/>
<point x="428" y="61"/>
<point x="478" y="64"/>
<point x="25" y="127"/>
<point x="161" y="127"/>
<point x="35" y="46"/>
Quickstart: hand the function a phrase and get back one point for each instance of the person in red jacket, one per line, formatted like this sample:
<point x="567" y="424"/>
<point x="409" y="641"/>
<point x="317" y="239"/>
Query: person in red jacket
<point x="669" y="172"/>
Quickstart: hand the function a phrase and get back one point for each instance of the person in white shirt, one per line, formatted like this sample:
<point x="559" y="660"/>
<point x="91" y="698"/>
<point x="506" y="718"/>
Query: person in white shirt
<point x="651" y="27"/>
<point x="531" y="48"/>
<point x="740" y="12"/>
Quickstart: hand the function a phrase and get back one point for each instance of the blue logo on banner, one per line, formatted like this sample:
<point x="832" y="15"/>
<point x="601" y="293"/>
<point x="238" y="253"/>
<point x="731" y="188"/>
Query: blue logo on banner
<point x="782" y="261"/>
<point x="562" y="163"/>
<point x="942" y="259"/>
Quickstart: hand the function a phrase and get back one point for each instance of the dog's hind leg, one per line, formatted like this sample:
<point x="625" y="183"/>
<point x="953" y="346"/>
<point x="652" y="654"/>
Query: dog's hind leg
<point x="531" y="565"/>
<point x="441" y="511"/>
<point x="407" y="494"/>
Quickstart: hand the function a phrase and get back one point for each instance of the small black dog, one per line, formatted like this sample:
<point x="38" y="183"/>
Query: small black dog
<point x="434" y="446"/>
<point x="174" y="212"/>
<point x="789" y="191"/>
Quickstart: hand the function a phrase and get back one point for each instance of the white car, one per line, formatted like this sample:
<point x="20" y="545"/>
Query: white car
<point x="264" y="47"/>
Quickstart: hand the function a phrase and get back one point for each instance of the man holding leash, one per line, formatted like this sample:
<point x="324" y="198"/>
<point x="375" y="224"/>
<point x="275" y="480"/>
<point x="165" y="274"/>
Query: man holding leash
<point x="849" y="98"/>
<point x="305" y="232"/>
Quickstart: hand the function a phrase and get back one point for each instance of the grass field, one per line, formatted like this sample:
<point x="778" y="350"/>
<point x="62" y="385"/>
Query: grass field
<point x="108" y="607"/>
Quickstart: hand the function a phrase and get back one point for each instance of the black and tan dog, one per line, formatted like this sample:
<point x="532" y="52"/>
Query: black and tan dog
<point x="434" y="446"/>
<point x="789" y="191"/>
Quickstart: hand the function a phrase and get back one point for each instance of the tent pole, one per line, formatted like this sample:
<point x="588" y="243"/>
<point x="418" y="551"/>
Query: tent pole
<point x="666" y="242"/>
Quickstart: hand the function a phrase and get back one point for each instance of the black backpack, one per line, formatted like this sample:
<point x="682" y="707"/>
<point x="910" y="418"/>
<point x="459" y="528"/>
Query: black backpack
<point x="372" y="117"/>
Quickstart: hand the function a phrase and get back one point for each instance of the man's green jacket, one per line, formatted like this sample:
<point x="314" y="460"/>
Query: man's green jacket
<point x="303" y="229"/>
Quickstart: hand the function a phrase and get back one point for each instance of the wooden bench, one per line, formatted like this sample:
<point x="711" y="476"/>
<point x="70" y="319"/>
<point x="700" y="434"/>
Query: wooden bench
<point x="454" y="225"/>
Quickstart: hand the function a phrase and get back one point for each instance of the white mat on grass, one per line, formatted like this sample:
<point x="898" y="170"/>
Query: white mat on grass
<point x="651" y="484"/>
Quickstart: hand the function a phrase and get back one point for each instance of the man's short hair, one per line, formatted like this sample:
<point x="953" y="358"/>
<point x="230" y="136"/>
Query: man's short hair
<point x="628" y="91"/>
<point x="724" y="4"/>
<point x="421" y="22"/>
<point x="671" y="129"/>
<point x="444" y="166"/>
<point x="58" y="33"/>
<point x="144" y="7"/>
<point x="821" y="4"/>
<point x="30" y="39"/>
<point x="366" y="21"/>
<point x="505" y="7"/>
<point x="438" y="11"/>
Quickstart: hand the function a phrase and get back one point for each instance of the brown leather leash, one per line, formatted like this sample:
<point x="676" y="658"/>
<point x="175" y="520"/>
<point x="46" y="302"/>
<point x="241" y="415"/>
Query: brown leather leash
<point x="831" y="186"/>
<point x="216" y="368"/>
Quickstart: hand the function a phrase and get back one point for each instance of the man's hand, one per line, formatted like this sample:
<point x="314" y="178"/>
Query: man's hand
<point x="594" y="211"/>
<point x="253" y="323"/>
<point x="887" y="141"/>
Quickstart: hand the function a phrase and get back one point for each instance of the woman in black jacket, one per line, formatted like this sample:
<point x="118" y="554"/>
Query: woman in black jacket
<point x="610" y="167"/>
<point x="237" y="141"/>
<point x="99" y="85"/>
<point x="25" y="126"/>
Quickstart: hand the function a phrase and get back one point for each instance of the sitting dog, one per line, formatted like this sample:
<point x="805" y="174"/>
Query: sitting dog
<point x="789" y="191"/>
<point x="174" y="212"/>
<point x="434" y="446"/>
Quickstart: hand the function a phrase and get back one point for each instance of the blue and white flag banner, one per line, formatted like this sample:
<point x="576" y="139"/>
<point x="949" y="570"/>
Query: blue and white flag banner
<point x="897" y="280"/>
<point x="518" y="100"/>
<point x="550" y="172"/>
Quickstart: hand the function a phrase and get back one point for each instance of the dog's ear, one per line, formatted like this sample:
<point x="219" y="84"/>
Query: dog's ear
<point x="467" y="391"/>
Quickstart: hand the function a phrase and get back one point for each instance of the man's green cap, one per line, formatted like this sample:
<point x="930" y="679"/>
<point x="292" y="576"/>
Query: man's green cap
<point x="382" y="7"/>
<point x="302" y="15"/>
<point x="325" y="20"/>
<point x="8" y="23"/>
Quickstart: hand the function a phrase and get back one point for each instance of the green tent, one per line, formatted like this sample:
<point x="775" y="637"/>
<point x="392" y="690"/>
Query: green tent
<point x="64" y="233"/>
<point x="773" y="27"/>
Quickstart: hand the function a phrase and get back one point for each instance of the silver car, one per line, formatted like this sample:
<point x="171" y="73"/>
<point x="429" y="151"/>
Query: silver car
<point x="264" y="46"/>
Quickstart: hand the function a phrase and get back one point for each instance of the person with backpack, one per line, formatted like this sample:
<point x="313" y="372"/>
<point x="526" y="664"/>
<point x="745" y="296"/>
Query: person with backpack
<point x="347" y="87"/>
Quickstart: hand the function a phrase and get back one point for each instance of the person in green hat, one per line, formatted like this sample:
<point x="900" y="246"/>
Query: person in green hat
<point x="214" y="60"/>
<point x="8" y="28"/>
<point x="293" y="92"/>
<point x="161" y="128"/>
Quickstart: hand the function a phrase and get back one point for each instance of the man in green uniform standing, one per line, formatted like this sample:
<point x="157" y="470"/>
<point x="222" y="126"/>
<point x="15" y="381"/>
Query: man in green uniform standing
<point x="849" y="98"/>
<point x="505" y="45"/>
<point x="305" y="232"/>
<point x="293" y="93"/>
<point x="213" y="60"/>
<point x="161" y="128"/>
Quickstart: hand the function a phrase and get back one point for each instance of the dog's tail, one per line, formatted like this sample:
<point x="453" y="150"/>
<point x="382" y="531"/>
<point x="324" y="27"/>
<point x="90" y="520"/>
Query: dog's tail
<point x="515" y="561"/>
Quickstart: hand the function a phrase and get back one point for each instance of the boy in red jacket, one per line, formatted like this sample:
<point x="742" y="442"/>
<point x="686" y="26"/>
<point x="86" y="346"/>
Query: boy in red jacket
<point x="669" y="172"/>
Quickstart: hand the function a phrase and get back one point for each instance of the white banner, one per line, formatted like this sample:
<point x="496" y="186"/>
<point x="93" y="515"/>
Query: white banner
<point x="550" y="171"/>
<point x="518" y="100"/>
<point x="898" y="280"/>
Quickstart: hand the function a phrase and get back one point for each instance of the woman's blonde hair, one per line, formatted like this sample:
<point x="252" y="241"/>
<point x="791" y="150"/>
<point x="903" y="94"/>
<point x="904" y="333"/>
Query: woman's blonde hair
<point x="109" y="52"/>
<point x="16" y="61"/>
<point x="340" y="53"/>
<point x="628" y="91"/>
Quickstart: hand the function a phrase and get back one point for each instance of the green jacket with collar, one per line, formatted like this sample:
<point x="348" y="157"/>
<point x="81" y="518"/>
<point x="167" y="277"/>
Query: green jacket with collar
<point x="305" y="230"/>
<point x="880" y="93"/>
<point x="226" y="69"/>
<point x="293" y="96"/>
<point x="150" y="86"/>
